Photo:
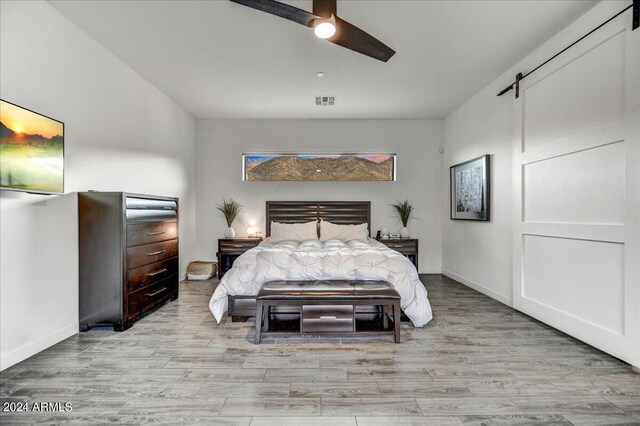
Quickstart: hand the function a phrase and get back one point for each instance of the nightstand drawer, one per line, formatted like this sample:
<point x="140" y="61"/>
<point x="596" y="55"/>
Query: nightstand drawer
<point x="401" y="245"/>
<point x="232" y="246"/>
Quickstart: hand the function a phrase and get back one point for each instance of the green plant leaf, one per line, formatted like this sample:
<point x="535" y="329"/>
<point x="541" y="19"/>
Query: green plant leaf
<point x="230" y="210"/>
<point x="404" y="210"/>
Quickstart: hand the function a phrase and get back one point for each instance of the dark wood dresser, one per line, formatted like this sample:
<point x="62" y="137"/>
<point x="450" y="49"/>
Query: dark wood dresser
<point x="229" y="249"/>
<point x="406" y="246"/>
<point x="128" y="256"/>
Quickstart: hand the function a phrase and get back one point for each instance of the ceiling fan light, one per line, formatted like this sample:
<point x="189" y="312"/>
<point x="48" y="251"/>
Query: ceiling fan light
<point x="325" y="29"/>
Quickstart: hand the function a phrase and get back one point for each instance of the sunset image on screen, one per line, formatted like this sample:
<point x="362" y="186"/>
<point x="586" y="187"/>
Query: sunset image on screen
<point x="31" y="150"/>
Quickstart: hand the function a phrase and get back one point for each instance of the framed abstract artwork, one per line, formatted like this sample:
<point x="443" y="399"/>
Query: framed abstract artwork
<point x="31" y="151"/>
<point x="319" y="167"/>
<point x="470" y="189"/>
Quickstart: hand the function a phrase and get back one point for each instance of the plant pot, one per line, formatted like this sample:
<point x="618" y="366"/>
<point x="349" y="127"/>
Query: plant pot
<point x="404" y="232"/>
<point x="229" y="232"/>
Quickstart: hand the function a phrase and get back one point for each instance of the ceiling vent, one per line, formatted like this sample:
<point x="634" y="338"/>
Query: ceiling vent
<point x="325" y="100"/>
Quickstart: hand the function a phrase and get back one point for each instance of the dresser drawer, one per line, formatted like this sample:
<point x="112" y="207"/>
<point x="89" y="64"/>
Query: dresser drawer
<point x="147" y="275"/>
<point x="146" y="233"/>
<point x="145" y="299"/>
<point x="140" y="215"/>
<point x="150" y="203"/>
<point x="327" y="318"/>
<point x="150" y="253"/>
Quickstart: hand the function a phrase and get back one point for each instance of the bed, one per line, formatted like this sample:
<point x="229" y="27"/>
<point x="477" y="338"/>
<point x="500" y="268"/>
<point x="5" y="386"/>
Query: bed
<point x="313" y="260"/>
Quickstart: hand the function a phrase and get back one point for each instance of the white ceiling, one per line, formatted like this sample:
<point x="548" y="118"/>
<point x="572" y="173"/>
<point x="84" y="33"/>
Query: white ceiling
<point x="221" y="59"/>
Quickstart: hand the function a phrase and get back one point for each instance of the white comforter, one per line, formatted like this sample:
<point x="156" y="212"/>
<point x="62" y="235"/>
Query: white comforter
<point x="330" y="260"/>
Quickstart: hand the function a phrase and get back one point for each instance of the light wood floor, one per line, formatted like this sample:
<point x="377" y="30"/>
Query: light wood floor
<point x="479" y="362"/>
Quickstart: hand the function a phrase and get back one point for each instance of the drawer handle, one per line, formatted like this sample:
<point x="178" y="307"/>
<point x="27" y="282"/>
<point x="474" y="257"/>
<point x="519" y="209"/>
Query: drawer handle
<point x="153" y="274"/>
<point x="398" y="246"/>
<point x="156" y="292"/>
<point x="238" y="246"/>
<point x="328" y="317"/>
<point x="155" y="253"/>
<point x="151" y="234"/>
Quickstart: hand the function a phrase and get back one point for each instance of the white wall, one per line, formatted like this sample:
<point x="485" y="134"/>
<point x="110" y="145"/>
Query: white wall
<point x="220" y="144"/>
<point x="121" y="134"/>
<point x="479" y="253"/>
<point x="588" y="98"/>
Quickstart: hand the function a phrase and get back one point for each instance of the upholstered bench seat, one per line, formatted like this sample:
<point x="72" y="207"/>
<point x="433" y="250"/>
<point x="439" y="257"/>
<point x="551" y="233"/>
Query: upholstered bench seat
<point x="326" y="290"/>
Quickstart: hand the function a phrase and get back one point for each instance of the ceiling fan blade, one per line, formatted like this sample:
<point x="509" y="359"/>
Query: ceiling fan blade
<point x="354" y="38"/>
<point x="325" y="8"/>
<point x="280" y="9"/>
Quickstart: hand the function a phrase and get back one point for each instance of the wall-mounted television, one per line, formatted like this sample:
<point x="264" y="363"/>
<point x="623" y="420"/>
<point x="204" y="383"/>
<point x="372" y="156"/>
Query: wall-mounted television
<point x="31" y="151"/>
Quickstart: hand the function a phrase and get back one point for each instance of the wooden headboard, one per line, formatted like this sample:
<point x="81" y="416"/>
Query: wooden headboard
<point x="341" y="212"/>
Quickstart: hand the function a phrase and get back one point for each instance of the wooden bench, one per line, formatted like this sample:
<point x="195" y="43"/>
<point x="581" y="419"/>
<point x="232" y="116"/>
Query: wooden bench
<point x="327" y="308"/>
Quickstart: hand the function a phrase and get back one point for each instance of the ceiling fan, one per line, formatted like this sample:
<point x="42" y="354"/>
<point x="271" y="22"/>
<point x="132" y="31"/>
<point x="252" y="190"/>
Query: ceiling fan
<point x="326" y="25"/>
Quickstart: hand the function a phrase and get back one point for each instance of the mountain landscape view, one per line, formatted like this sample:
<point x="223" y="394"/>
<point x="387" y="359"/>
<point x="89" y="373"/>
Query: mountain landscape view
<point x="322" y="168"/>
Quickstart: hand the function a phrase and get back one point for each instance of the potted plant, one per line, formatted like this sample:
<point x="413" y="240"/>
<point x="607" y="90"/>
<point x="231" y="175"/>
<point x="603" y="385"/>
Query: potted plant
<point x="404" y="210"/>
<point x="230" y="210"/>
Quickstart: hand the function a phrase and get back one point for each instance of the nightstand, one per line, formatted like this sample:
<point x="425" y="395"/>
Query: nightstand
<point x="406" y="246"/>
<point x="229" y="249"/>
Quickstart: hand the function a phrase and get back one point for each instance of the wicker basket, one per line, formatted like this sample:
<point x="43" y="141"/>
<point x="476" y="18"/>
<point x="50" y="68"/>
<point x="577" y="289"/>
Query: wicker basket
<point x="201" y="270"/>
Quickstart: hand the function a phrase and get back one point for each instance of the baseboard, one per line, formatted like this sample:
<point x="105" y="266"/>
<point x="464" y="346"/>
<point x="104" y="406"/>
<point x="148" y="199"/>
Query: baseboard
<point x="479" y="287"/>
<point x="183" y="276"/>
<point x="30" y="349"/>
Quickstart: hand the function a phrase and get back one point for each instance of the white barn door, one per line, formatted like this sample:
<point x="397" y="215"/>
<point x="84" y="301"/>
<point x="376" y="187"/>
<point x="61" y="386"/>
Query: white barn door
<point x="577" y="192"/>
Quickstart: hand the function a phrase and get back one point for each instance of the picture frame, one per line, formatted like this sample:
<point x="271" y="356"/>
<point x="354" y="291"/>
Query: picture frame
<point x="470" y="189"/>
<point x="318" y="167"/>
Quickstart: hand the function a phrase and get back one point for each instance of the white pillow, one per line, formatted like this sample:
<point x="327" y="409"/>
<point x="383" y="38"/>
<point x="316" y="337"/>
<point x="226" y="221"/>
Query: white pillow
<point x="294" y="231"/>
<point x="331" y="231"/>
